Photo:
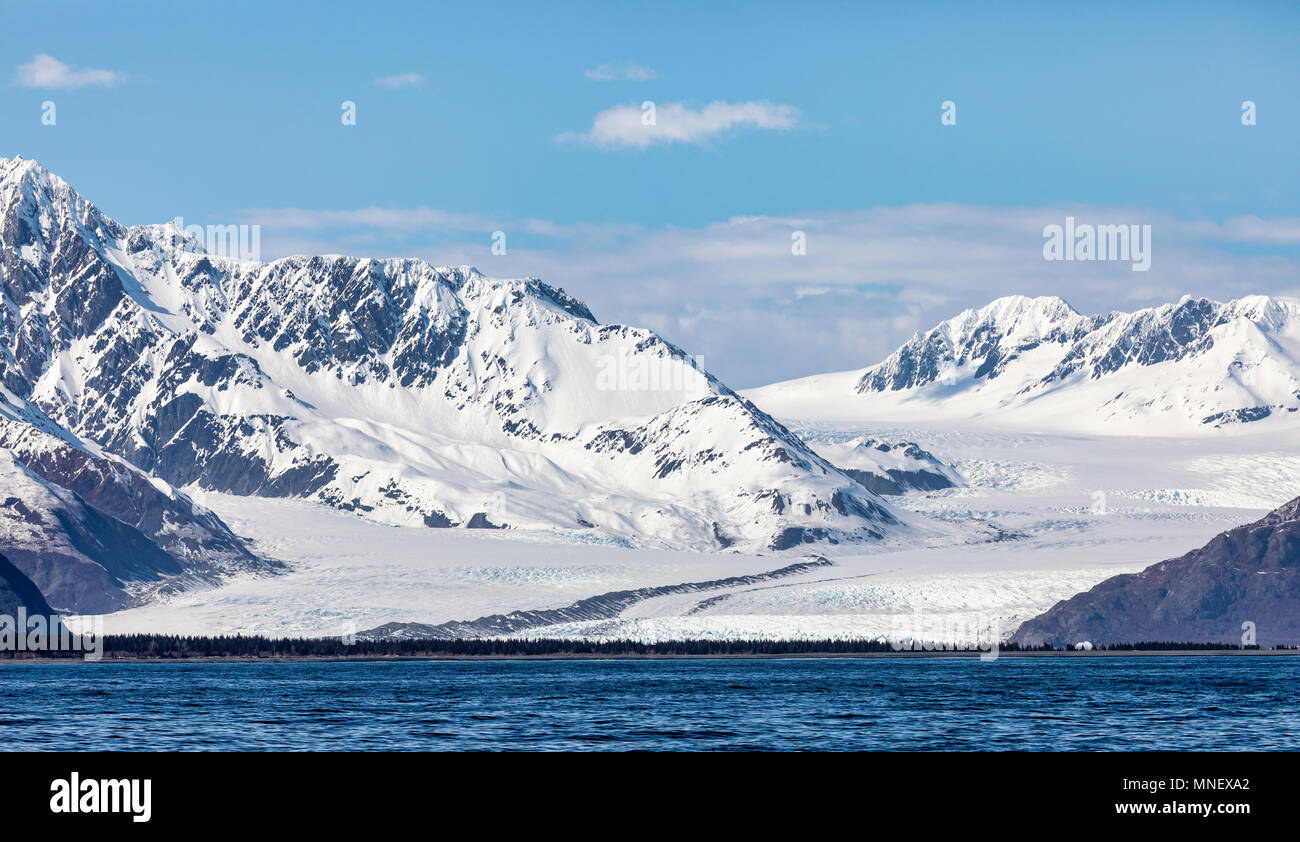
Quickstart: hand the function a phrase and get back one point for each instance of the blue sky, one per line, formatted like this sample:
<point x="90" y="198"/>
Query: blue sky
<point x="825" y="116"/>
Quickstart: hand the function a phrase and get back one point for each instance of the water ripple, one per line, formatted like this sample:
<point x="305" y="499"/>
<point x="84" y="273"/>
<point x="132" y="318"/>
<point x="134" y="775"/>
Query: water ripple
<point x="932" y="704"/>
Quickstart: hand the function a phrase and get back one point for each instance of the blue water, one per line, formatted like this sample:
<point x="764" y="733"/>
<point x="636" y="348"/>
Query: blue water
<point x="916" y="703"/>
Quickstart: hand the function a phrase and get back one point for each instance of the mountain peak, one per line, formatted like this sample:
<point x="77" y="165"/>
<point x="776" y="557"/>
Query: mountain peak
<point x="1013" y="304"/>
<point x="19" y="168"/>
<point x="1286" y="513"/>
<point x="978" y="340"/>
<point x="1019" y="314"/>
<point x="38" y="202"/>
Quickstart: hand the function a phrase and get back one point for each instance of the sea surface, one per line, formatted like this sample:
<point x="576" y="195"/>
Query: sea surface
<point x="1058" y="703"/>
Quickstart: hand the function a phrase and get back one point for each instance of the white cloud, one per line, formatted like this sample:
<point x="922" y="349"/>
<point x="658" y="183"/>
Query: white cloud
<point x="45" y="71"/>
<point x="402" y="80"/>
<point x="626" y="71"/>
<point x="391" y="220"/>
<point x="630" y="126"/>
<point x="1249" y="229"/>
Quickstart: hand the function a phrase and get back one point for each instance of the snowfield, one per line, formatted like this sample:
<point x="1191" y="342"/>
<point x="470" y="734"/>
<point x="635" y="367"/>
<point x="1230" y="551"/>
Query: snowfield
<point x="1072" y="510"/>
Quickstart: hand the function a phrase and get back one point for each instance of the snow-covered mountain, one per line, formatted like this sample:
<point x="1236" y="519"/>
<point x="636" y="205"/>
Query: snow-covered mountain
<point x="888" y="467"/>
<point x="407" y="393"/>
<point x="1197" y="365"/>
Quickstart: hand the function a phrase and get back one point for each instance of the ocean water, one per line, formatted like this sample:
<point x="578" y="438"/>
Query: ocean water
<point x="1062" y="703"/>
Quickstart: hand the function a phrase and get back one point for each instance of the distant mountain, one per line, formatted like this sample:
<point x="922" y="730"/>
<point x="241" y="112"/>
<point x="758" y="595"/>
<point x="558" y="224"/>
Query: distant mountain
<point x="1197" y="365"/>
<point x="1248" y="575"/>
<point x="889" y="467"/>
<point x="391" y="388"/>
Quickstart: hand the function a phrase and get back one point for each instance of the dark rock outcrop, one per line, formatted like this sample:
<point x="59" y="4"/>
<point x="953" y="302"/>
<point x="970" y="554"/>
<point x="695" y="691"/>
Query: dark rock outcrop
<point x="600" y="607"/>
<point x="897" y="481"/>
<point x="1245" y="580"/>
<point x="17" y="591"/>
<point x="96" y="534"/>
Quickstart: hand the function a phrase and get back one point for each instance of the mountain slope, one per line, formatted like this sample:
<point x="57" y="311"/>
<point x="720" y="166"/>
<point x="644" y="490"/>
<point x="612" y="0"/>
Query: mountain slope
<point x="96" y="534"/>
<point x="401" y="391"/>
<point x="17" y="591"/>
<point x="1189" y="367"/>
<point x="1250" y="574"/>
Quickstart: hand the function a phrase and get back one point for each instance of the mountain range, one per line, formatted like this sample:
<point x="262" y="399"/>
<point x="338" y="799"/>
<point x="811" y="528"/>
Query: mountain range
<point x="1187" y="368"/>
<point x="134" y="363"/>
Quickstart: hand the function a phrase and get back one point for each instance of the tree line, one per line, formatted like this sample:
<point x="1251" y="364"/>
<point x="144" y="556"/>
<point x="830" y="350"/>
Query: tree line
<point x="181" y="647"/>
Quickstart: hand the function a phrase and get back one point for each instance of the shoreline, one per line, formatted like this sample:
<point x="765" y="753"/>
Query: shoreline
<point x="579" y="656"/>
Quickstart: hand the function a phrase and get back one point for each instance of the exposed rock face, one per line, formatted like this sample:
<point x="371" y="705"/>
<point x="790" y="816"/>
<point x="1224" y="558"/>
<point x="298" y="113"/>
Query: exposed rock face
<point x="17" y="591"/>
<point x="981" y="344"/>
<point x="96" y="534"/>
<point x="1250" y="574"/>
<point x="390" y="388"/>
